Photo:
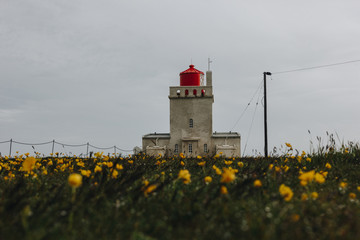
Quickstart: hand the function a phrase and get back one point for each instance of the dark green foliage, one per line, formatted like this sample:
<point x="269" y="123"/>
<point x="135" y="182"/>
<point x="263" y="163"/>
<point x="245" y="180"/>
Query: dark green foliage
<point x="117" y="208"/>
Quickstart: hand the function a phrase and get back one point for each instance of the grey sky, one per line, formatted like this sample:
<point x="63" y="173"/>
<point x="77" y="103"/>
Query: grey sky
<point x="99" y="71"/>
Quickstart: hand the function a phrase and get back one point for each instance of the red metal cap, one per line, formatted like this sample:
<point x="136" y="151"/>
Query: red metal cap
<point x="190" y="77"/>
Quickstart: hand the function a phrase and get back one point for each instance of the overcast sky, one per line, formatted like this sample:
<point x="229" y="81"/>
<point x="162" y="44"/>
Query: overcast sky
<point x="99" y="71"/>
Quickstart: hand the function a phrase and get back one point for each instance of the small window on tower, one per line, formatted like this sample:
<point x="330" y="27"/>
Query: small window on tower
<point x="186" y="92"/>
<point x="191" y="123"/>
<point x="194" y="92"/>
<point x="203" y="92"/>
<point x="205" y="148"/>
<point x="190" y="148"/>
<point x="178" y="92"/>
<point x="176" y="150"/>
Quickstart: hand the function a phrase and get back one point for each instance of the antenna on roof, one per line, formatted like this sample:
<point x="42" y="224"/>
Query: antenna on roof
<point x="209" y="64"/>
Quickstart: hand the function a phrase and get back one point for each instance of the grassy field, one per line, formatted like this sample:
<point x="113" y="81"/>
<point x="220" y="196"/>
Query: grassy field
<point x="294" y="195"/>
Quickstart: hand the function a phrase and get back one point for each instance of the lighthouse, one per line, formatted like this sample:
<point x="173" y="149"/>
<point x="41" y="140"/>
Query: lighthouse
<point x="191" y="130"/>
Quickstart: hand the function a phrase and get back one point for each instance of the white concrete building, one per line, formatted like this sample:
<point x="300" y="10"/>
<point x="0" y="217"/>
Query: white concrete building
<point x="191" y="130"/>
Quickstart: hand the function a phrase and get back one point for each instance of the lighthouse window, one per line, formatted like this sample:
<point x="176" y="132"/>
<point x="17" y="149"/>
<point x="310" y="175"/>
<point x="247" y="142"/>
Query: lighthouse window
<point x="191" y="123"/>
<point x="194" y="92"/>
<point x="186" y="92"/>
<point x="203" y="92"/>
<point x="205" y="148"/>
<point x="190" y="148"/>
<point x="176" y="150"/>
<point x="178" y="92"/>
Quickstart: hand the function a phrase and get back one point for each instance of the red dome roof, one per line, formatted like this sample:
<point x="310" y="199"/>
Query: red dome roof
<point x="192" y="70"/>
<point x="190" y="77"/>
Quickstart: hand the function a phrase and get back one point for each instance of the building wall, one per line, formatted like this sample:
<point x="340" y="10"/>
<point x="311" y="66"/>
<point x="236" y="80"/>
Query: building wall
<point x="196" y="107"/>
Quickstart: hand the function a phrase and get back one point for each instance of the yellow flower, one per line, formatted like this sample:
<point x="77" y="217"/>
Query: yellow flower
<point x="119" y="167"/>
<point x="97" y="169"/>
<point x="288" y="145"/>
<point x="182" y="163"/>
<point x="201" y="163"/>
<point x="271" y="166"/>
<point x="185" y="176"/>
<point x="114" y="174"/>
<point x="285" y="168"/>
<point x="131" y="161"/>
<point x="149" y="189"/>
<point x="86" y="173"/>
<point x="308" y="159"/>
<point x="286" y="192"/>
<point x="227" y="176"/>
<point x="343" y="184"/>
<point x="208" y="179"/>
<point x="295" y="217"/>
<point x="304" y="197"/>
<point x="228" y="162"/>
<point x="109" y="164"/>
<point x="81" y="164"/>
<point x="324" y="173"/>
<point x="277" y="169"/>
<point x="306" y="177"/>
<point x="319" y="178"/>
<point x="352" y="196"/>
<point x="75" y="180"/>
<point x="240" y="164"/>
<point x="198" y="157"/>
<point x="358" y="188"/>
<point x="146" y="182"/>
<point x="182" y="155"/>
<point x="314" y="195"/>
<point x="29" y="164"/>
<point x="328" y="166"/>
<point x="257" y="183"/>
<point x="223" y="190"/>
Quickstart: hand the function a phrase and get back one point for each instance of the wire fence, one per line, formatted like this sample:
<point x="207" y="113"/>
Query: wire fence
<point x="53" y="143"/>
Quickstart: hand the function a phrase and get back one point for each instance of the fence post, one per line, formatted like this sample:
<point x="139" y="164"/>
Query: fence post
<point x="114" y="151"/>
<point x="87" y="150"/>
<point x="10" y="147"/>
<point x="52" y="151"/>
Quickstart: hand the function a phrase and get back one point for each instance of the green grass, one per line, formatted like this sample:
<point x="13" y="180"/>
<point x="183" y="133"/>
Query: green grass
<point x="41" y="207"/>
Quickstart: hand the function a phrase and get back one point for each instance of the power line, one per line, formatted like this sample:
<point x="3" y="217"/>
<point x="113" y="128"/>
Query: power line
<point x="247" y="106"/>
<point x="320" y="66"/>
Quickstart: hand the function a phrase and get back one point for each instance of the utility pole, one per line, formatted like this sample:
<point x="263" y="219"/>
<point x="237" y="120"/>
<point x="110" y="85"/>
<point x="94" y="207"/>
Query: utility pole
<point x="265" y="114"/>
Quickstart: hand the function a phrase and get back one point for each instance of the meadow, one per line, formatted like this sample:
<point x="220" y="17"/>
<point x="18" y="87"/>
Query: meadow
<point x="292" y="194"/>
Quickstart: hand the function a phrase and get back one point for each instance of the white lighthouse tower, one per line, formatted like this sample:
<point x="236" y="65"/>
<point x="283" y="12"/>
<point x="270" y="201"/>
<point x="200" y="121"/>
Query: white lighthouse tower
<point x="191" y="122"/>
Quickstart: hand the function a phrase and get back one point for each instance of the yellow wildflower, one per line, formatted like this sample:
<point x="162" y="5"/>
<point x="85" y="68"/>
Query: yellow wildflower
<point x="86" y="173"/>
<point x="75" y="180"/>
<point x="240" y="164"/>
<point x="358" y="188"/>
<point x="319" y="178"/>
<point x="130" y="161"/>
<point x="198" y="157"/>
<point x="227" y="176"/>
<point x="150" y="189"/>
<point x="343" y="185"/>
<point x="288" y="145"/>
<point x="328" y="166"/>
<point x="314" y="195"/>
<point x="109" y="164"/>
<point x="306" y="177"/>
<point x="286" y="192"/>
<point x="223" y="190"/>
<point x="97" y="169"/>
<point x="201" y="163"/>
<point x="308" y="159"/>
<point x="228" y="162"/>
<point x="277" y="169"/>
<point x="114" y="174"/>
<point x="182" y="163"/>
<point x="352" y="196"/>
<point x="119" y="167"/>
<point x="181" y="155"/>
<point x="271" y="166"/>
<point x="257" y="183"/>
<point x="28" y="164"/>
<point x="185" y="176"/>
<point x="304" y="197"/>
<point x="208" y="179"/>
<point x="295" y="217"/>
